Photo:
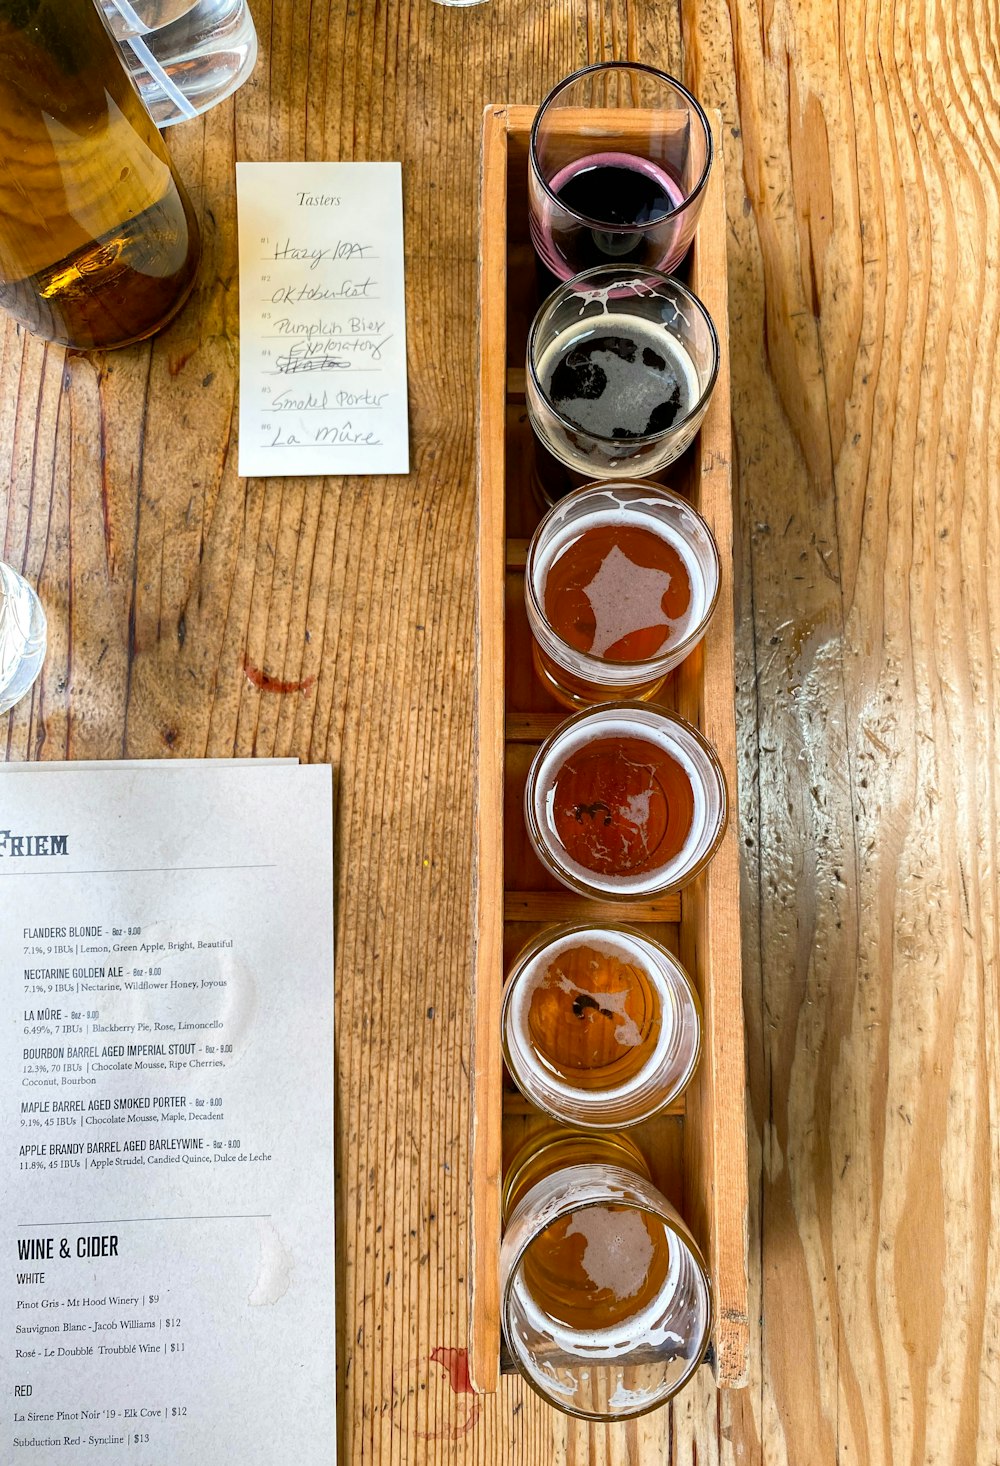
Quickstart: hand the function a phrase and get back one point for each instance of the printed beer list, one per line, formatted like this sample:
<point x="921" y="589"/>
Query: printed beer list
<point x="322" y="319"/>
<point x="166" y="1116"/>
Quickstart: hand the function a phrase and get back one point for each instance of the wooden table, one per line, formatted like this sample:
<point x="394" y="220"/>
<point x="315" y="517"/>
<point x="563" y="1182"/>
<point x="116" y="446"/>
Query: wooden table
<point x="863" y="158"/>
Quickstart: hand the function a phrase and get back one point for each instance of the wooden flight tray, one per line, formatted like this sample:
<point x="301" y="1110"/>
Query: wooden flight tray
<point x="697" y="1150"/>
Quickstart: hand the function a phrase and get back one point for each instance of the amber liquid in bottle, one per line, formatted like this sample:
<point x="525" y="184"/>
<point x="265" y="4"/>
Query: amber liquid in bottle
<point x="98" y="242"/>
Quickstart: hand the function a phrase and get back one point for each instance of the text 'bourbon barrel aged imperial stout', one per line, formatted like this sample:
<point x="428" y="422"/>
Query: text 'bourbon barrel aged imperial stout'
<point x="98" y="242"/>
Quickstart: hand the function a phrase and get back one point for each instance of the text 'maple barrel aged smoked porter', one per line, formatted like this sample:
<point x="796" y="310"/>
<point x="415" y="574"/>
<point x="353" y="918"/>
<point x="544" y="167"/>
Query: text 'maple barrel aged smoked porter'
<point x="98" y="242"/>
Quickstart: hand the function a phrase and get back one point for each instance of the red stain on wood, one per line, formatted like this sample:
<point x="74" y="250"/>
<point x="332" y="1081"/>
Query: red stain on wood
<point x="456" y="1363"/>
<point x="438" y="1409"/>
<point x="264" y="682"/>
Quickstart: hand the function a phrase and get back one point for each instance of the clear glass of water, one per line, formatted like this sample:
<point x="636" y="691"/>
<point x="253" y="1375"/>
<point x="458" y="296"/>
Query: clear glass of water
<point x="139" y="17"/>
<point x="185" y="56"/>
<point x="22" y="636"/>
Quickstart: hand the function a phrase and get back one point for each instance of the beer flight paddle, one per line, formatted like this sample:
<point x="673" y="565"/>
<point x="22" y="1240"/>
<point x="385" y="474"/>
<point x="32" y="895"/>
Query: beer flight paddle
<point x="601" y="835"/>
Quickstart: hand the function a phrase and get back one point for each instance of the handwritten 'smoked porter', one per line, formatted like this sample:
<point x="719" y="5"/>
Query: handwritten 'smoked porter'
<point x="621" y="363"/>
<point x="619" y="160"/>
<point x="624" y="802"/>
<point x="601" y="1025"/>
<point x="620" y="583"/>
<point x="606" y="1307"/>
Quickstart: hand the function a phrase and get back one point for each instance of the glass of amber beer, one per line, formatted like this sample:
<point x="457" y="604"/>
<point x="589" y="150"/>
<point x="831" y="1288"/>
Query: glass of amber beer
<point x="606" y="1304"/>
<point x="624" y="802"/>
<point x="601" y="1025"/>
<point x="620" y="584"/>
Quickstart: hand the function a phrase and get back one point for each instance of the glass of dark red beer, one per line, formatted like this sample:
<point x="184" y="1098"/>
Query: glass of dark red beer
<point x="619" y="160"/>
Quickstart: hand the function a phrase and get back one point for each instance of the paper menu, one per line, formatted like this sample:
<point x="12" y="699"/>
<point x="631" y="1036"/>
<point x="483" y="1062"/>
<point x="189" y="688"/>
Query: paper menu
<point x="166" y="1116"/>
<point x="322" y="319"/>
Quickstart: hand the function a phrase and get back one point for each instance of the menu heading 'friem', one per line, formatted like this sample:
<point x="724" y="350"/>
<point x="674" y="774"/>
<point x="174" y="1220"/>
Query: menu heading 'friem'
<point x="11" y="844"/>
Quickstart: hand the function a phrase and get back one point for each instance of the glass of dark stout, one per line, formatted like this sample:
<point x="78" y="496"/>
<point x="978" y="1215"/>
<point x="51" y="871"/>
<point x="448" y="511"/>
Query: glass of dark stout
<point x="625" y="802"/>
<point x="606" y="1304"/>
<point x="621" y="363"/>
<point x="619" y="160"/>
<point x="620" y="583"/>
<point x="601" y="1025"/>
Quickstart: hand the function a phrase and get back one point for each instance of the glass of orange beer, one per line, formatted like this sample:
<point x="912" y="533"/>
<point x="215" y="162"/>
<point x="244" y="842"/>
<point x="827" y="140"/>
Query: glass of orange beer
<point x="620" y="584"/>
<point x="601" y="1025"/>
<point x="625" y="802"/>
<point x="606" y="1305"/>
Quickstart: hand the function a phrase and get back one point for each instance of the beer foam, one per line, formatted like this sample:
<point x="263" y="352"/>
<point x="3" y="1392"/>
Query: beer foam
<point x="618" y="1249"/>
<point x="624" y="597"/>
<point x="675" y="740"/>
<point x="640" y="514"/>
<point x="621" y="408"/>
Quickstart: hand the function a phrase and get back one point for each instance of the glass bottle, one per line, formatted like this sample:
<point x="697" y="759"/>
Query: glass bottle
<point x="98" y="241"/>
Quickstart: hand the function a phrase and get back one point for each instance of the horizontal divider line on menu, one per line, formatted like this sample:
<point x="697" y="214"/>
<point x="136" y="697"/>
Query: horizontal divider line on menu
<point x="566" y="906"/>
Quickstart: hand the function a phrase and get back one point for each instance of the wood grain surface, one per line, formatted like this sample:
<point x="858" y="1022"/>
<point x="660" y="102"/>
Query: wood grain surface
<point x="863" y="160"/>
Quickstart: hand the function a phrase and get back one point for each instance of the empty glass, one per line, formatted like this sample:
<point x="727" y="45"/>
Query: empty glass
<point x="621" y="364"/>
<point x="22" y="636"/>
<point x="601" y="1025"/>
<point x="606" y="1306"/>
<point x="620" y="155"/>
<point x="620" y="584"/>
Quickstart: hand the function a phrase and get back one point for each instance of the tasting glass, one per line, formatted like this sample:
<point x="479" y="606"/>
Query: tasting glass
<point x="22" y="636"/>
<point x="619" y="159"/>
<point x="601" y="1025"/>
<point x="623" y="597"/>
<point x="625" y="802"/>
<point x="601" y="304"/>
<point x="606" y="1305"/>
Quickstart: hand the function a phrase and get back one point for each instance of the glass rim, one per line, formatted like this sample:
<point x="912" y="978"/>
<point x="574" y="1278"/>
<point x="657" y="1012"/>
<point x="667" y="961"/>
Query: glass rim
<point x="640" y="66"/>
<point x="601" y="665"/>
<point x="656" y="1205"/>
<point x="592" y="887"/>
<point x="641" y="439"/>
<point x="558" y="1134"/>
<point x="548" y="936"/>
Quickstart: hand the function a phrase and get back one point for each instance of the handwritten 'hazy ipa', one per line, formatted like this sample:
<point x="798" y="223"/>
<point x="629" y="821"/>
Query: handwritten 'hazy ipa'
<point x="601" y="1026"/>
<point x="606" y="1306"/>
<point x="620" y="583"/>
<point x="625" y="802"/>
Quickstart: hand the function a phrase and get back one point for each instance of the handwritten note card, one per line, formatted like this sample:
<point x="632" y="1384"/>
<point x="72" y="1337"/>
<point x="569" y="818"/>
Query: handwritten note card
<point x="322" y="319"/>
